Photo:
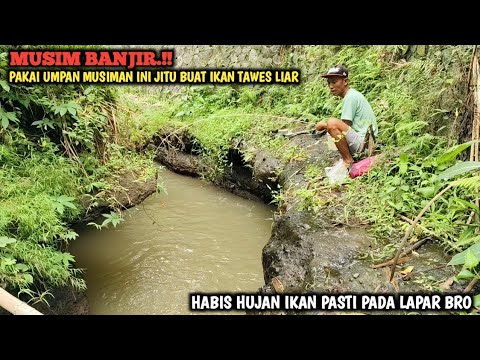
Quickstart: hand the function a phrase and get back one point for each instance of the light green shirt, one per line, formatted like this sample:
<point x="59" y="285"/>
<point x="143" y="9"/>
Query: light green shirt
<point x="357" y="109"/>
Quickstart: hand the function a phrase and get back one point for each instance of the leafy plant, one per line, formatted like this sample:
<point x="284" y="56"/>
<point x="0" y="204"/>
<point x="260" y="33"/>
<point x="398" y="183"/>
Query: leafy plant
<point x="112" y="218"/>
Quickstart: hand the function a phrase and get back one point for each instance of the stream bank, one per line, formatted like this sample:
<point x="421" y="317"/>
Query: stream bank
<point x="306" y="252"/>
<point x="132" y="191"/>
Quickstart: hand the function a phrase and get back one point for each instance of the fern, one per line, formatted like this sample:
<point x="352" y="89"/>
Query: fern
<point x="472" y="183"/>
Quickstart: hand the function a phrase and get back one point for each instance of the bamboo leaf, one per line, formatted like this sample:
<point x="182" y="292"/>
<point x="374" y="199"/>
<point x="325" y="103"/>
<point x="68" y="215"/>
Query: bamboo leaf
<point x="5" y="85"/>
<point x="5" y="122"/>
<point x="452" y="153"/>
<point x="459" y="168"/>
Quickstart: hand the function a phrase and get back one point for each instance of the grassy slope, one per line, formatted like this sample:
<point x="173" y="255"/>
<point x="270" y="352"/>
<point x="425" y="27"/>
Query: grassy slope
<point x="56" y="147"/>
<point x="417" y="103"/>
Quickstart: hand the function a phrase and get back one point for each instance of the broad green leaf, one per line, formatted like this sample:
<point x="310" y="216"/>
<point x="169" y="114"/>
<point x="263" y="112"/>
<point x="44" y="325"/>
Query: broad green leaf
<point x="476" y="300"/>
<point x="64" y="201"/>
<point x="60" y="208"/>
<point x="116" y="221"/>
<point x="7" y="262"/>
<point x="5" y="85"/>
<point x="394" y="205"/>
<point x="28" y="278"/>
<point x="4" y="241"/>
<point x="69" y="205"/>
<point x="12" y="116"/>
<point x="25" y="102"/>
<point x="427" y="191"/>
<point x="452" y="153"/>
<point x="459" y="259"/>
<point x="459" y="168"/>
<point x="471" y="260"/>
<point x="389" y="189"/>
<point x="465" y="274"/>
<point x="5" y="122"/>
<point x="396" y="181"/>
<point x="21" y="267"/>
<point x="403" y="158"/>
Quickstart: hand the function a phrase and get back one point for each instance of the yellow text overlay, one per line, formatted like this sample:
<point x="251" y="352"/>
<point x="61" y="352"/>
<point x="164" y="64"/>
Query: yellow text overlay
<point x="209" y="76"/>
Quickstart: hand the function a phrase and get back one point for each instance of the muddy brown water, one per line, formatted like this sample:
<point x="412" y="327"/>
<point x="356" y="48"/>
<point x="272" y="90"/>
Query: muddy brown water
<point x="194" y="238"/>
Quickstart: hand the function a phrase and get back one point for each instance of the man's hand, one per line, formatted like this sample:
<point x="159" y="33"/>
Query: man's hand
<point x="322" y="125"/>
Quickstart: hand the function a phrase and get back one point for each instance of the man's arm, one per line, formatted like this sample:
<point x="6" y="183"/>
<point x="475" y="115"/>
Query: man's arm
<point x="349" y="107"/>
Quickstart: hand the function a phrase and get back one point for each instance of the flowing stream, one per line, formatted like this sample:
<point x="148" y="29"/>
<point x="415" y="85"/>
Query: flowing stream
<point x="194" y="237"/>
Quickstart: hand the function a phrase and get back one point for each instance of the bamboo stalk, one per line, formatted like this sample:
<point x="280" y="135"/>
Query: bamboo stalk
<point x="475" y="80"/>
<point x="476" y="118"/>
<point x="410" y="221"/>
<point x="404" y="256"/>
<point x="15" y="306"/>
<point x="390" y="262"/>
<point x="470" y="69"/>
<point x="470" y="286"/>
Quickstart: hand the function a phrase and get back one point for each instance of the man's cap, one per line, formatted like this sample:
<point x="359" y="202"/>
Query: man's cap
<point x="338" y="70"/>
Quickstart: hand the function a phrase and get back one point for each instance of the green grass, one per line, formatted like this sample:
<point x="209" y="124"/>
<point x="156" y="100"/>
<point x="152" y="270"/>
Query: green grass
<point x="417" y="103"/>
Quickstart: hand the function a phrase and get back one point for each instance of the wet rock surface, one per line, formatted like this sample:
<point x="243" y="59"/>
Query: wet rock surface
<point x="316" y="253"/>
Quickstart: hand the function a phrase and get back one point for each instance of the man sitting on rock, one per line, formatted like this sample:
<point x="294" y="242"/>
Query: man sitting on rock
<point x="357" y="117"/>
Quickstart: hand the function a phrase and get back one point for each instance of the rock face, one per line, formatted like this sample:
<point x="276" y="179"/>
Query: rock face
<point x="308" y="252"/>
<point x="302" y="251"/>
<point x="254" y="180"/>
